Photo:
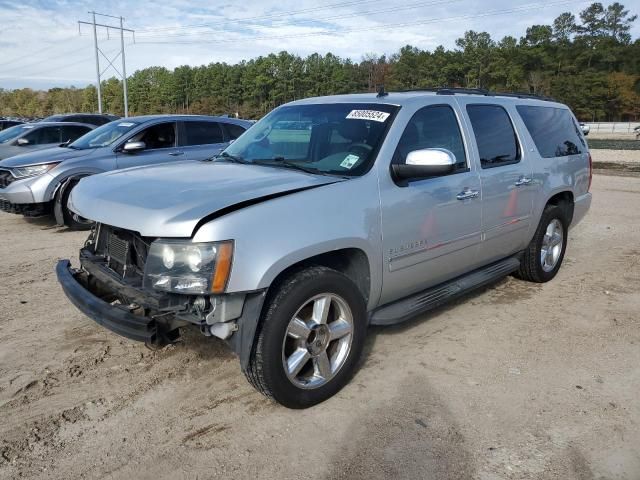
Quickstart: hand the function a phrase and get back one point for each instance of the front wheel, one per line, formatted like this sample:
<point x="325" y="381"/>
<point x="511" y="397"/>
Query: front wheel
<point x="311" y="338"/>
<point x="68" y="216"/>
<point x="543" y="257"/>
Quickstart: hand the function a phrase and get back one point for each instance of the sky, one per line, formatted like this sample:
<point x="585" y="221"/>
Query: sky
<point x="42" y="46"/>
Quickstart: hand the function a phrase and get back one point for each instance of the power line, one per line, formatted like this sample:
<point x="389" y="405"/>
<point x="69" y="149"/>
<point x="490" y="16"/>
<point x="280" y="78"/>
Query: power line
<point x="521" y="8"/>
<point x="259" y="17"/>
<point x="61" y="67"/>
<point x="29" y="54"/>
<point x="324" y="19"/>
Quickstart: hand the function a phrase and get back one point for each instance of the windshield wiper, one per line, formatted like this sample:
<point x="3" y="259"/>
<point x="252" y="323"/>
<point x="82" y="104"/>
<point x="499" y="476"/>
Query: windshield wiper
<point x="288" y="164"/>
<point x="229" y="157"/>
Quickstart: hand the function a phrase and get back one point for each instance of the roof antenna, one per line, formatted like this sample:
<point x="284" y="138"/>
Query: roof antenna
<point x="381" y="92"/>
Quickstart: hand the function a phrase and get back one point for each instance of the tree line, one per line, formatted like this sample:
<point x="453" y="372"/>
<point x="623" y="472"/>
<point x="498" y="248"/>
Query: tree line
<point x="589" y="62"/>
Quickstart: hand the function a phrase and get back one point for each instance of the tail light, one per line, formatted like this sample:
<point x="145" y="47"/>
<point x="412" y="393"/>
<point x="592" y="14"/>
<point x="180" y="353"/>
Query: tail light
<point x="590" y="172"/>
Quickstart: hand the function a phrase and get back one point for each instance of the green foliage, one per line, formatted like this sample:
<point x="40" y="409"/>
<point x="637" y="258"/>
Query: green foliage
<point x="588" y="61"/>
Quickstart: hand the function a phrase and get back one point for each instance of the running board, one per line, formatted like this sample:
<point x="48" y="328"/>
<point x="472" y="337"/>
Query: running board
<point x="407" y="308"/>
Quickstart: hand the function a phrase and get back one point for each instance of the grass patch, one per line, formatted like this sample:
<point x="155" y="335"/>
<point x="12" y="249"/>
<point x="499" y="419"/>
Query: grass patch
<point x="603" y="144"/>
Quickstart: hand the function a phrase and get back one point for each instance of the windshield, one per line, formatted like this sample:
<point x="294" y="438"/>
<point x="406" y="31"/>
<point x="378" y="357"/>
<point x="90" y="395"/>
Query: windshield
<point x="103" y="136"/>
<point x="13" y="132"/>
<point x="339" y="138"/>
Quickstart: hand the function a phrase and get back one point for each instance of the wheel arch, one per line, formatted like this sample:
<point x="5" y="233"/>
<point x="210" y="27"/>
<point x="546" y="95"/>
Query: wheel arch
<point x="60" y="189"/>
<point x="350" y="261"/>
<point x="565" y="200"/>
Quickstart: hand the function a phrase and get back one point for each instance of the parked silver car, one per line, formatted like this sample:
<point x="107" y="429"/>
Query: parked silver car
<point x="329" y="215"/>
<point x="29" y="137"/>
<point x="40" y="182"/>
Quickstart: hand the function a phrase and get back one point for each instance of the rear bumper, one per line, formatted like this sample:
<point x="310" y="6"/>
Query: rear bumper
<point x="581" y="206"/>
<point x="118" y="320"/>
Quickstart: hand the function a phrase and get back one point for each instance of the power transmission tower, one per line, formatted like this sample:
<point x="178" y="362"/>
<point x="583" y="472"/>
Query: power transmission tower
<point x="99" y="52"/>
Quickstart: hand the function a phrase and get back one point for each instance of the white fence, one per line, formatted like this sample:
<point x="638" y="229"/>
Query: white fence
<point x="612" y="127"/>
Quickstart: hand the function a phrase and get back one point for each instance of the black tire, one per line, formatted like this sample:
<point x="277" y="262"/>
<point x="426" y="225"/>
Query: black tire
<point x="531" y="268"/>
<point x="67" y="214"/>
<point x="266" y="371"/>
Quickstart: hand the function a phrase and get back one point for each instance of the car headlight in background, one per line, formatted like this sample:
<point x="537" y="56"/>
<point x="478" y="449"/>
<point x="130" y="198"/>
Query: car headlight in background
<point x="32" y="170"/>
<point x="181" y="266"/>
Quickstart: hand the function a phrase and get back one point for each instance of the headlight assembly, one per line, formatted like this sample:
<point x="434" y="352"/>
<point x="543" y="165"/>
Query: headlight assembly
<point x="32" y="170"/>
<point x="180" y="266"/>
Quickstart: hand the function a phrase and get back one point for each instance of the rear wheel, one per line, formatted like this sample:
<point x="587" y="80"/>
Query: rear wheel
<point x="311" y="338"/>
<point x="543" y="257"/>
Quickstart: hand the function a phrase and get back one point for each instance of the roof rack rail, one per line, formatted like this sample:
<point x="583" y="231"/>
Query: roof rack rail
<point x="525" y="95"/>
<point x="468" y="91"/>
<point x="479" y="91"/>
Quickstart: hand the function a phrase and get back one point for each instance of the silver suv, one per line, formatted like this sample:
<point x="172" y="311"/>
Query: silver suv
<point x="331" y="214"/>
<point x="40" y="182"/>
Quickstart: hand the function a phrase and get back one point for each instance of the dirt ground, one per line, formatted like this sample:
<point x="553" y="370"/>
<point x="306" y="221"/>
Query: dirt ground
<point x="517" y="381"/>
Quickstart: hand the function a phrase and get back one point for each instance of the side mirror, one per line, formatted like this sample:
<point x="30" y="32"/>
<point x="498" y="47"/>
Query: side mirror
<point x="585" y="129"/>
<point x="22" y="141"/>
<point x="133" y="147"/>
<point x="425" y="163"/>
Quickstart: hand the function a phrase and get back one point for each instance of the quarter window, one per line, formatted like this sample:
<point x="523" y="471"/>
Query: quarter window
<point x="433" y="127"/>
<point x="234" y="130"/>
<point x="495" y="136"/>
<point x="202" y="133"/>
<point x="553" y="130"/>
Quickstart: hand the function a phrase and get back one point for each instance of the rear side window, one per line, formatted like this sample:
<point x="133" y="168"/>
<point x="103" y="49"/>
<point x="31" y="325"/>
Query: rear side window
<point x="72" y="132"/>
<point x="234" y="130"/>
<point x="553" y="130"/>
<point x="495" y="136"/>
<point x="202" y="133"/>
<point x="433" y="127"/>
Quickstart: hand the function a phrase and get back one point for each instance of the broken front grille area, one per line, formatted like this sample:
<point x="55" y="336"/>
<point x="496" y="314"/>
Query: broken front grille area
<point x="125" y="252"/>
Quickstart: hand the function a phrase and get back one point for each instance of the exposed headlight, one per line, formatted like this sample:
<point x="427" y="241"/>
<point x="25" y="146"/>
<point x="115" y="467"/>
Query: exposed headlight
<point x="181" y="266"/>
<point x="32" y="170"/>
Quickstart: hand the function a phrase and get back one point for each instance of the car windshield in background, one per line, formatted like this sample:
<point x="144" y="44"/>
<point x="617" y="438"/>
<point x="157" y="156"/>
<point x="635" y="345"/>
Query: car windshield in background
<point x="103" y="136"/>
<point x="337" y="139"/>
<point x="13" y="132"/>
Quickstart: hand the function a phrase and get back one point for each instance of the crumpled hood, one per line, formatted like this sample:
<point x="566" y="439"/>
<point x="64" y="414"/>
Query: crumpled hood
<point x="169" y="200"/>
<point x="51" y="154"/>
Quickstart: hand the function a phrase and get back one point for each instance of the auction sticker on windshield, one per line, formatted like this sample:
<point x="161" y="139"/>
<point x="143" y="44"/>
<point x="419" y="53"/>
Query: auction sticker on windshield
<point x="374" y="115"/>
<point x="349" y="161"/>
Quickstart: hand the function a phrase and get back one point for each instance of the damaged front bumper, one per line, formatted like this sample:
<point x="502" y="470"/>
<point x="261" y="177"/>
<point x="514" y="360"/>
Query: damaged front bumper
<point x="119" y="320"/>
<point x="156" y="317"/>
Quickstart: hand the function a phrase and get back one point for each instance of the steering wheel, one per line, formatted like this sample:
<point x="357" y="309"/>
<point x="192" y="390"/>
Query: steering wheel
<point x="361" y="146"/>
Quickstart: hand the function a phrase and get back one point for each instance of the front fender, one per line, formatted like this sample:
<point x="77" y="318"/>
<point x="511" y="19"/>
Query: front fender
<point x="274" y="235"/>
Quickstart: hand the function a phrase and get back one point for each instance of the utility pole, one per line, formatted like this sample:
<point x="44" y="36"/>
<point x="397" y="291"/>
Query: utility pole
<point x="99" y="52"/>
<point x="124" y="70"/>
<point x="95" y="46"/>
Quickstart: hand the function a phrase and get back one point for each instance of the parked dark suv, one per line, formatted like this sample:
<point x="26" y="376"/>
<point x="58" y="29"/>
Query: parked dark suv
<point x="4" y="123"/>
<point x="96" y="119"/>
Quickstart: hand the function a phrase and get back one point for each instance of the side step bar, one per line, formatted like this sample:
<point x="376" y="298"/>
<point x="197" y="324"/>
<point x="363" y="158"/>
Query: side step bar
<point x="407" y="308"/>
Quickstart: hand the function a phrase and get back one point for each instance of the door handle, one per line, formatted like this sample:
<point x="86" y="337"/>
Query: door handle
<point x="176" y="154"/>
<point x="523" y="181"/>
<point x="467" y="194"/>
